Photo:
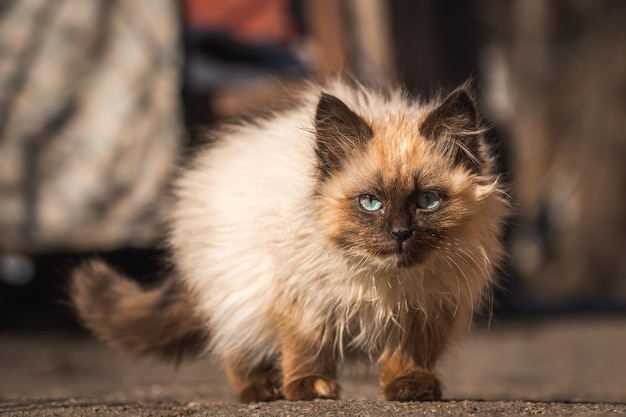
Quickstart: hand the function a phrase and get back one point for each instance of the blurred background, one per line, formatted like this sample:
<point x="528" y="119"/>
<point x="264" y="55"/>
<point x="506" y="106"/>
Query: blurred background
<point x="99" y="101"/>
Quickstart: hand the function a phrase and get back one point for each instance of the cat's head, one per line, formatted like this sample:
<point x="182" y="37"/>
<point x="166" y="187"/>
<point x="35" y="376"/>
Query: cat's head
<point x="398" y="181"/>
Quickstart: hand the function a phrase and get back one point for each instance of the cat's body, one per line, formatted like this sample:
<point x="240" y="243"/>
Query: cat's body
<point x="357" y="222"/>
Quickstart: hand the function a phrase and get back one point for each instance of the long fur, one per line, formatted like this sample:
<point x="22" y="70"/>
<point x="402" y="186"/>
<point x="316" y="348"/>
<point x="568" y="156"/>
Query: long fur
<point x="259" y="234"/>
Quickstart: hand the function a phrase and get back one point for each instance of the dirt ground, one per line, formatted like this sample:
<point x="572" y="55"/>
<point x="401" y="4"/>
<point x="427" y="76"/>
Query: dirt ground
<point x="566" y="366"/>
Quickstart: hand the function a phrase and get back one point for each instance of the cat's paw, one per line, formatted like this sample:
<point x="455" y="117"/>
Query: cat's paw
<point x="418" y="385"/>
<point x="264" y="387"/>
<point x="311" y="387"/>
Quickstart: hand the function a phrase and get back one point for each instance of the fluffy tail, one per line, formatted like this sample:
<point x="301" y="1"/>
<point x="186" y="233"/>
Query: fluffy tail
<point x="158" y="321"/>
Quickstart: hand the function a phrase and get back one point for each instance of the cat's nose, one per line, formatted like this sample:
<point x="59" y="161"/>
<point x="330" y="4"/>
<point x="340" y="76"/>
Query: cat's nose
<point x="401" y="234"/>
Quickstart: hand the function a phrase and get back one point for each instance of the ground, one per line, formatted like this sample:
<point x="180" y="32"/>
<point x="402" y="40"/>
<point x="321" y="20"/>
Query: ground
<point x="557" y="366"/>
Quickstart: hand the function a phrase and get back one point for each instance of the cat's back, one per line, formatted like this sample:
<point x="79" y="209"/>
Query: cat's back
<point x="252" y="167"/>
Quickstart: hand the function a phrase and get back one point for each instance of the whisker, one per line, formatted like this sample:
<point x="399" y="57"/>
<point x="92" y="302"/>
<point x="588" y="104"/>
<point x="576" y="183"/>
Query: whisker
<point x="469" y="288"/>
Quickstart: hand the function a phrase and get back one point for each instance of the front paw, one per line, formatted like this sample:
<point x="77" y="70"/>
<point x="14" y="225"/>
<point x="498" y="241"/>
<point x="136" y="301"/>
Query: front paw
<point x="418" y="385"/>
<point x="310" y="388"/>
<point x="261" y="388"/>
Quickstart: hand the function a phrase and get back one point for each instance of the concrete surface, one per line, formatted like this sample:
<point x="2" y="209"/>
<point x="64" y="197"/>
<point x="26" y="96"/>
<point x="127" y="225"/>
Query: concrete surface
<point x="567" y="366"/>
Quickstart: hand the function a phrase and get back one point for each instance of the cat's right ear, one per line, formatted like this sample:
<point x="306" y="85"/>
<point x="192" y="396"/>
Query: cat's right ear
<point x="339" y="132"/>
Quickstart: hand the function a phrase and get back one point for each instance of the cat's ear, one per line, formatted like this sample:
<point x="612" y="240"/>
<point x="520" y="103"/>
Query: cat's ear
<point x="339" y="132"/>
<point x="456" y="124"/>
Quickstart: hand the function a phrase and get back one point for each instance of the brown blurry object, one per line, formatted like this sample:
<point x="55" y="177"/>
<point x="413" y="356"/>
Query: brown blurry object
<point x="557" y="74"/>
<point x="256" y="97"/>
<point x="90" y="123"/>
<point x="351" y="37"/>
<point x="329" y="32"/>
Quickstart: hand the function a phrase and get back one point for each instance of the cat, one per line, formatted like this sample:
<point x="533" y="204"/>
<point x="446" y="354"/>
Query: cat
<point x="358" y="222"/>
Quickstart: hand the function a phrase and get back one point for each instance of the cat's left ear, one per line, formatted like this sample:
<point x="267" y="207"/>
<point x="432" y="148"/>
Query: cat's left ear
<point x="456" y="123"/>
<point x="339" y="131"/>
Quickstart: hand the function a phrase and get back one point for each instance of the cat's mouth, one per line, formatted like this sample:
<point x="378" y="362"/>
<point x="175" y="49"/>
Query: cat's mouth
<point x="401" y="255"/>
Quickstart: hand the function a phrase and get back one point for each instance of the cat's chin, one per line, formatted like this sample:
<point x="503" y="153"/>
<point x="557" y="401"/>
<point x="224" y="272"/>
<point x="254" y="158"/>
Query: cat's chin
<point x="404" y="261"/>
<point x="390" y="260"/>
<point x="399" y="258"/>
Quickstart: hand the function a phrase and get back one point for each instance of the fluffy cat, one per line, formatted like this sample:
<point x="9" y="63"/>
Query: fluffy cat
<point x="358" y="222"/>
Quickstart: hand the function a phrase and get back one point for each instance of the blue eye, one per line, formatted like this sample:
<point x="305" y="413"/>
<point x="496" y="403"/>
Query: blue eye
<point x="428" y="200"/>
<point x="370" y="203"/>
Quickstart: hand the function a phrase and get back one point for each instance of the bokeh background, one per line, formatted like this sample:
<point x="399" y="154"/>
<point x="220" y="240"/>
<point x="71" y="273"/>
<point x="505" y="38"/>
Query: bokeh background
<point x="101" y="100"/>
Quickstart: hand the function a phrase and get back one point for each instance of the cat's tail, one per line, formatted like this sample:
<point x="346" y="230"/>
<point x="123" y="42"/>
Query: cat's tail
<point x="156" y="321"/>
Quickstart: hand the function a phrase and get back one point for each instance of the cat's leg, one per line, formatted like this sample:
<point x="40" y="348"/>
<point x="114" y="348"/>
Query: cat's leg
<point x="309" y="367"/>
<point x="405" y="380"/>
<point x="254" y="383"/>
<point x="409" y="359"/>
